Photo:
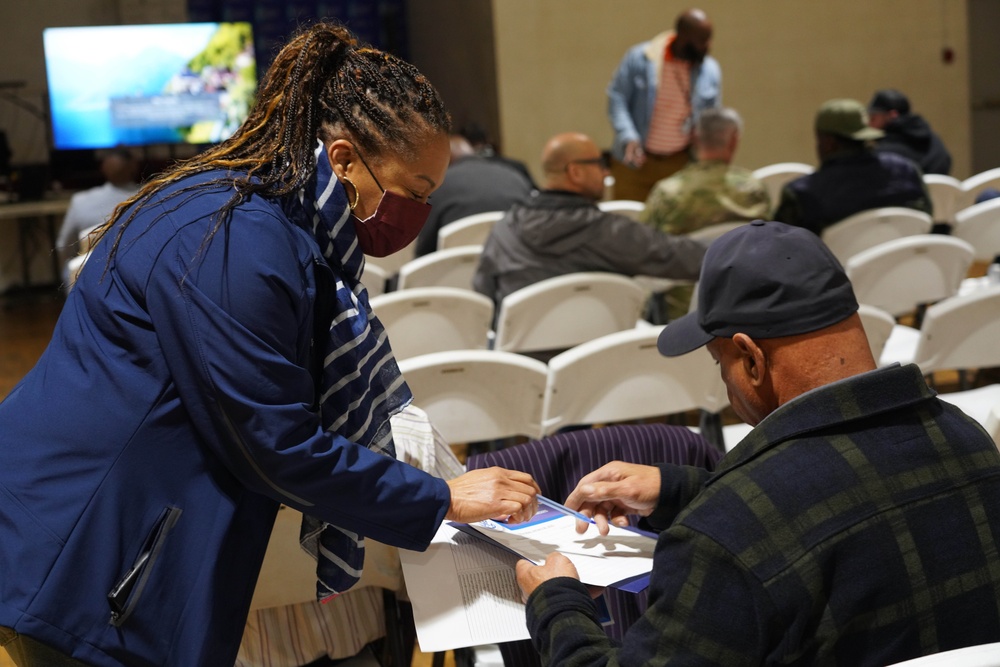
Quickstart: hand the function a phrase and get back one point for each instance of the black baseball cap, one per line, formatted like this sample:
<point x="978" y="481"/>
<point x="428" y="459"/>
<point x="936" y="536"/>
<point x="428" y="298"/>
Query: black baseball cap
<point x="766" y="280"/>
<point x="888" y="99"/>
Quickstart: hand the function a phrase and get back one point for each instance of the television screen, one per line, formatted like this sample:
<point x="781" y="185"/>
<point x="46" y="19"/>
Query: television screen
<point x="134" y="85"/>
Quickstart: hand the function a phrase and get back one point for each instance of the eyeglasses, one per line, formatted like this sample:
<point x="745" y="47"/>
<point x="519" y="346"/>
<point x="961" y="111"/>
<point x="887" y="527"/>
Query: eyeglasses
<point x="601" y="161"/>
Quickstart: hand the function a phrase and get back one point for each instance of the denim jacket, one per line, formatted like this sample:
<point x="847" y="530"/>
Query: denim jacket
<point x="632" y="91"/>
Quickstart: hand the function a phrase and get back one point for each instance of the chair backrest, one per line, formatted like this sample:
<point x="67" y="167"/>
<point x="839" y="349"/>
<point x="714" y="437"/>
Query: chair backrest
<point x="878" y="326"/>
<point x="470" y="230"/>
<point x="980" y="226"/>
<point x="560" y="312"/>
<point x="478" y="395"/>
<point x="712" y="232"/>
<point x="453" y="267"/>
<point x="992" y="424"/>
<point x="899" y="275"/>
<point x="626" y="207"/>
<point x="374" y="278"/>
<point x="945" y="193"/>
<point x="774" y="177"/>
<point x="869" y="228"/>
<point x="622" y="377"/>
<point x="984" y="655"/>
<point x="423" y="320"/>
<point x="975" y="184"/>
<point x="391" y="263"/>
<point x="961" y="332"/>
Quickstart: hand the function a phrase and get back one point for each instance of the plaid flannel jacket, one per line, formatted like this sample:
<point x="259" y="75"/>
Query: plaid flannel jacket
<point x="856" y="525"/>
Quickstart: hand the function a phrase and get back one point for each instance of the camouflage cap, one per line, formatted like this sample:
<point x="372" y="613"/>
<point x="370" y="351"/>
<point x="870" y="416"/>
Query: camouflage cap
<point x="846" y="118"/>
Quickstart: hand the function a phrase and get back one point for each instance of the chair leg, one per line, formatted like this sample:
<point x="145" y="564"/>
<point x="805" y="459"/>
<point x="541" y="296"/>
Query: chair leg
<point x="710" y="424"/>
<point x="394" y="638"/>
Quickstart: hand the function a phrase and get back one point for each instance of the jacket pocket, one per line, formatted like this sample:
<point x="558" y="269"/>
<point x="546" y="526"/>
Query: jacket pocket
<point x="125" y="594"/>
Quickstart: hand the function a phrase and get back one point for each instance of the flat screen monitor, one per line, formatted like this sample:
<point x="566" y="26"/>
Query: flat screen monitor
<point x="136" y="85"/>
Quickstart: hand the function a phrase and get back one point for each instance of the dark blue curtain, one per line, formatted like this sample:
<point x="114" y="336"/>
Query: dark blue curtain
<point x="381" y="23"/>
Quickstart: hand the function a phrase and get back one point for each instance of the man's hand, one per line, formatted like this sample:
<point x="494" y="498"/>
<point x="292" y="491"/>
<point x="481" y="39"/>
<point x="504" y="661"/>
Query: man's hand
<point x="635" y="157"/>
<point x="531" y="576"/>
<point x="493" y="493"/>
<point x="613" y="491"/>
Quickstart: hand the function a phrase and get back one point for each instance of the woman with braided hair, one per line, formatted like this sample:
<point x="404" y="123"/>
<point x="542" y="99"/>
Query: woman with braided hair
<point x="218" y="357"/>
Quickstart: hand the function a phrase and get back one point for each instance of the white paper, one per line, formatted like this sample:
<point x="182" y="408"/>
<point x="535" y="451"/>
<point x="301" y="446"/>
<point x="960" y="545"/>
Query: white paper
<point x="600" y="560"/>
<point x="464" y="592"/>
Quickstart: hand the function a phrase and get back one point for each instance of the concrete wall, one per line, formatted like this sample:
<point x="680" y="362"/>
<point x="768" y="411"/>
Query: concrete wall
<point x="780" y="59"/>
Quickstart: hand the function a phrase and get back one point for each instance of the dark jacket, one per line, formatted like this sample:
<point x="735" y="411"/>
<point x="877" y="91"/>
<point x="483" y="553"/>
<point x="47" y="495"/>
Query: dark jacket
<point x="170" y="415"/>
<point x="858" y="524"/>
<point x="851" y="182"/>
<point x="555" y="233"/>
<point x="472" y="185"/>
<point x="911" y="137"/>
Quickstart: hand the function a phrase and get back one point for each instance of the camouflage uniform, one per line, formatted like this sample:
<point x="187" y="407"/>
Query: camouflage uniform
<point x="703" y="194"/>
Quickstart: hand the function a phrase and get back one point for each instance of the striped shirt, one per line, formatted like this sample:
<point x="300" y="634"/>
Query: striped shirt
<point x="669" y="130"/>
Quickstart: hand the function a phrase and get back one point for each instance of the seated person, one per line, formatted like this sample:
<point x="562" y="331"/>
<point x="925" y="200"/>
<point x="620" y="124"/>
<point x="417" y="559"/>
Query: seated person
<point x="907" y="133"/>
<point x="710" y="190"/>
<point x="561" y="230"/>
<point x="472" y="184"/>
<point x="90" y="208"/>
<point x="852" y="176"/>
<point x="818" y="539"/>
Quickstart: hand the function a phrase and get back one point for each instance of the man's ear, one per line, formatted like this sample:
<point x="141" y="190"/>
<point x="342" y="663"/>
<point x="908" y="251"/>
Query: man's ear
<point x="341" y="154"/>
<point x="752" y="358"/>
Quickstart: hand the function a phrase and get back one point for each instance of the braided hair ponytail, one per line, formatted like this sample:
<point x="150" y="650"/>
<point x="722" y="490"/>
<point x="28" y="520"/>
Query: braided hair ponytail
<point x="322" y="85"/>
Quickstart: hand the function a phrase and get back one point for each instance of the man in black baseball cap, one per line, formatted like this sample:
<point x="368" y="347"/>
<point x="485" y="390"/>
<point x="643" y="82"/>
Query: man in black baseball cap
<point x="907" y="133"/>
<point x="818" y="538"/>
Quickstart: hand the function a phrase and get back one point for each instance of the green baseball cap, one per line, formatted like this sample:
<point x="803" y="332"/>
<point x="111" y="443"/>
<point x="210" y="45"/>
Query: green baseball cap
<point x="846" y="118"/>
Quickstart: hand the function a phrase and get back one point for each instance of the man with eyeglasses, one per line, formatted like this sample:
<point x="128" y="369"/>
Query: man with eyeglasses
<point x="561" y="230"/>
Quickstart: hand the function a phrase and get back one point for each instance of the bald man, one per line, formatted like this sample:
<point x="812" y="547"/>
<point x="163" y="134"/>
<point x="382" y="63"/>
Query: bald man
<point x="857" y="524"/>
<point x="561" y="230"/>
<point x="654" y="99"/>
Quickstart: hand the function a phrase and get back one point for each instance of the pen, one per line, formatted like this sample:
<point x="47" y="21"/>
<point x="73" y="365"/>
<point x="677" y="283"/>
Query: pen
<point x="548" y="502"/>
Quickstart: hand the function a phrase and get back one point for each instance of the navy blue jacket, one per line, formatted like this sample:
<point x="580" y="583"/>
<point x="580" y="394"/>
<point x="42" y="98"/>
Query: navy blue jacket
<point x="851" y="182"/>
<point x="170" y="415"/>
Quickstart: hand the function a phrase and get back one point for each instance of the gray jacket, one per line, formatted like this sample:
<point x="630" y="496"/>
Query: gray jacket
<point x="555" y="233"/>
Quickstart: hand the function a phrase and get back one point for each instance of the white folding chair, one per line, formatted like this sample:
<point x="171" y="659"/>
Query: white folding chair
<point x="945" y="192"/>
<point x="478" y="395"/>
<point x="992" y="424"/>
<point x="391" y="263"/>
<point x="983" y="655"/>
<point x="423" y="320"/>
<point x="775" y="176"/>
<point x="957" y="334"/>
<point x="712" y="232"/>
<point x="453" y="267"/>
<point x="374" y="279"/>
<point x="470" y="230"/>
<point x="560" y="312"/>
<point x="867" y="229"/>
<point x="626" y="207"/>
<point x="980" y="226"/>
<point x="900" y="275"/>
<point x="973" y="185"/>
<point x="878" y="326"/>
<point x="622" y="377"/>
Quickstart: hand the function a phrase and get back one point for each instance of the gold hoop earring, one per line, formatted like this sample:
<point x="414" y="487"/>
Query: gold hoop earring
<point x="357" y="195"/>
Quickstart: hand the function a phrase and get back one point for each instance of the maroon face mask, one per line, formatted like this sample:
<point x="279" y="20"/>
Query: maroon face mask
<point x="397" y="220"/>
<point x="393" y="225"/>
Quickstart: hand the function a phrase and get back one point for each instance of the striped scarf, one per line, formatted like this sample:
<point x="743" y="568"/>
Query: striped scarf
<point x="361" y="385"/>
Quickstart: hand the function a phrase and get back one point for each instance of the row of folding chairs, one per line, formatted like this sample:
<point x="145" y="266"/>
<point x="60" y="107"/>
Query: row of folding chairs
<point x="948" y="194"/>
<point x="483" y="395"/>
<point x="550" y="315"/>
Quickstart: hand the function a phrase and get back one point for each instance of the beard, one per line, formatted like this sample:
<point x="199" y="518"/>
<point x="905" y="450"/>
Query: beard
<point x="690" y="53"/>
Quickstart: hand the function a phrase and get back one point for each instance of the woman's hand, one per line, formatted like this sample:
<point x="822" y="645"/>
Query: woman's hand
<point x="493" y="493"/>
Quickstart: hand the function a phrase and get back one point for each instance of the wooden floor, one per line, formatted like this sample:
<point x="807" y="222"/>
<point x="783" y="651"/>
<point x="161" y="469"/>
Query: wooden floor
<point x="26" y="324"/>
